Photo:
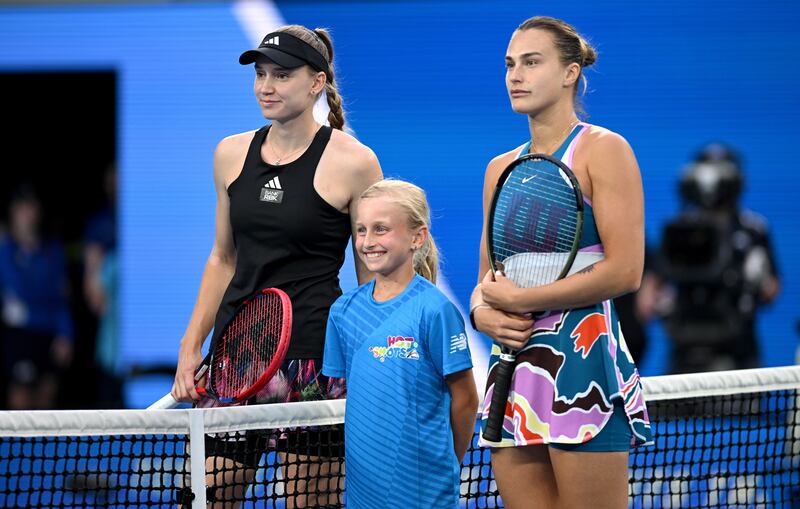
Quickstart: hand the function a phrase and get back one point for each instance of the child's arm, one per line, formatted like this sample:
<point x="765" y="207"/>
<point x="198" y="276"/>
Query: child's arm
<point x="333" y="358"/>
<point x="463" y="409"/>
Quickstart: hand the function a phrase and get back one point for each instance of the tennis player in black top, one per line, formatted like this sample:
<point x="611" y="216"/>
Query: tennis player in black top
<point x="284" y="197"/>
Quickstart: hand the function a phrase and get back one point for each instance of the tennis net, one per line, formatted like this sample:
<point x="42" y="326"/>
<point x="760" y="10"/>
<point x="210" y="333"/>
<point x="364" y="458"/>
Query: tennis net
<point x="728" y="439"/>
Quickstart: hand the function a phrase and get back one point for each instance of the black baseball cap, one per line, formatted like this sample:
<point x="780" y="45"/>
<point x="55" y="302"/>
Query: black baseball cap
<point x="287" y="51"/>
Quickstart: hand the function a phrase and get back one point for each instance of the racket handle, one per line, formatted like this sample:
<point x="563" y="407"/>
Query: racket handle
<point x="497" y="408"/>
<point x="166" y="402"/>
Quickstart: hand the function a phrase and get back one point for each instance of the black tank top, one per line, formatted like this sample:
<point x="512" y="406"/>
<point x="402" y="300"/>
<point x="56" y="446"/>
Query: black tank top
<point x="287" y="237"/>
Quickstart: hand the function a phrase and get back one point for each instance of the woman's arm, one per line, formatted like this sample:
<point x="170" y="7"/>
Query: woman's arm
<point x="618" y="204"/>
<point x="463" y="409"/>
<point x="365" y="170"/>
<point x="217" y="275"/>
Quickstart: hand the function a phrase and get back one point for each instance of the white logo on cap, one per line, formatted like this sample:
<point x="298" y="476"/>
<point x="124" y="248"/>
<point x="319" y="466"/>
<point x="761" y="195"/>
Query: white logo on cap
<point x="272" y="40"/>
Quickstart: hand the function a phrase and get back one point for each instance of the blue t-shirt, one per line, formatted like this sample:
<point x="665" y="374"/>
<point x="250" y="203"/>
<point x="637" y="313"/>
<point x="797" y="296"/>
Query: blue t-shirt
<point x="395" y="356"/>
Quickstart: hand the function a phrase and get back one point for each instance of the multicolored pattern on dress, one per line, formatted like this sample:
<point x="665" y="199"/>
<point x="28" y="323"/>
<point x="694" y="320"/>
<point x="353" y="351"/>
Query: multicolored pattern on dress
<point x="574" y="367"/>
<point x="301" y="380"/>
<point x="296" y="380"/>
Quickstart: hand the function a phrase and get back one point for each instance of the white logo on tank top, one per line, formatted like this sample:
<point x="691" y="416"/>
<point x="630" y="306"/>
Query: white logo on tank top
<point x="271" y="195"/>
<point x="271" y="192"/>
<point x="275" y="183"/>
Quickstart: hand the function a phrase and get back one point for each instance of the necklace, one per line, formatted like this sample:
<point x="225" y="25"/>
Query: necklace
<point x="559" y="140"/>
<point x="290" y="154"/>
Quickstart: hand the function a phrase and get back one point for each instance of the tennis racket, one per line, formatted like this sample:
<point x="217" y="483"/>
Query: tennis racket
<point x="533" y="231"/>
<point x="247" y="354"/>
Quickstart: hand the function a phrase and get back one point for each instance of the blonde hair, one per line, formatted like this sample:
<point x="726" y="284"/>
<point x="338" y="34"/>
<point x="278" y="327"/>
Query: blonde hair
<point x="413" y="201"/>
<point x="320" y="40"/>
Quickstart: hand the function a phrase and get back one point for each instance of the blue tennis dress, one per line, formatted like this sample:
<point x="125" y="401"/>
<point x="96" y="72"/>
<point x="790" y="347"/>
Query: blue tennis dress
<point x="395" y="356"/>
<point x="575" y="367"/>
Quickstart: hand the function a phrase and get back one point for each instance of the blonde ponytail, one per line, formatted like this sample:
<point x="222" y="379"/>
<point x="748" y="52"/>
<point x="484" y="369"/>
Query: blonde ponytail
<point x="426" y="259"/>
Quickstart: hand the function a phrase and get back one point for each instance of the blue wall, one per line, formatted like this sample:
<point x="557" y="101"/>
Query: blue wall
<point x="423" y="85"/>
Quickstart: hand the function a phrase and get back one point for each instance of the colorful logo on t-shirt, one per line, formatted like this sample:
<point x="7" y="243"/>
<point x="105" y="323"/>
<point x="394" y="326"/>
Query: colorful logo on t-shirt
<point x="399" y="347"/>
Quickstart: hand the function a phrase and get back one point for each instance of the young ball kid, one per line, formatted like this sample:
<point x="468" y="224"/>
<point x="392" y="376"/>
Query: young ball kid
<point x="401" y="345"/>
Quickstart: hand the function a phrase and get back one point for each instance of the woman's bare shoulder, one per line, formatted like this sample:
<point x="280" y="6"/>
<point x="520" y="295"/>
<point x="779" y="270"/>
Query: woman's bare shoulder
<point x="235" y="143"/>
<point x="603" y="139"/>
<point x="353" y="157"/>
<point x="230" y="155"/>
<point x="500" y="163"/>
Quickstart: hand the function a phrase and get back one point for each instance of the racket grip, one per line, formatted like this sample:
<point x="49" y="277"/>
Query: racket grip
<point x="497" y="408"/>
<point x="166" y="402"/>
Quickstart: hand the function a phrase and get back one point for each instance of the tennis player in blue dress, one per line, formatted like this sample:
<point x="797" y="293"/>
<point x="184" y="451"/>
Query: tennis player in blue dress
<point x="402" y="346"/>
<point x="575" y="405"/>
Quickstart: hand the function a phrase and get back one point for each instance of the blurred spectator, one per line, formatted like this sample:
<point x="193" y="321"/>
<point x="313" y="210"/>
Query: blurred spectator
<point x="38" y="334"/>
<point x="719" y="266"/>
<point x="100" y="288"/>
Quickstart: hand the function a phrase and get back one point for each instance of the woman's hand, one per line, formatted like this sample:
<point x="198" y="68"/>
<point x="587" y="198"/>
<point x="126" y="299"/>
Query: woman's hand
<point x="508" y="329"/>
<point x="189" y="358"/>
<point x="501" y="293"/>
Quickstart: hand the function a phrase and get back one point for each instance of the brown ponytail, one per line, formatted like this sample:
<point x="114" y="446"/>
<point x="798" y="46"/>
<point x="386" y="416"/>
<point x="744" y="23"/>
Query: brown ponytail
<point x="320" y="40"/>
<point x="572" y="47"/>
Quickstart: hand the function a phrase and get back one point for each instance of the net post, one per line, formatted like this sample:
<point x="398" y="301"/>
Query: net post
<point x="197" y="455"/>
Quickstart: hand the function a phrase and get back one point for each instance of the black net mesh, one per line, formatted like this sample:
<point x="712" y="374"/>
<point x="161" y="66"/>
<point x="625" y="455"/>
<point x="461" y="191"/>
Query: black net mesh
<point x="301" y="467"/>
<point x="734" y="450"/>
<point x="92" y="471"/>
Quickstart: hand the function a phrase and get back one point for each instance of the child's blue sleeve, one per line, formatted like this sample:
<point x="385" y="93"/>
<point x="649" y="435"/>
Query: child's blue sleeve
<point x="447" y="340"/>
<point x="334" y="363"/>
